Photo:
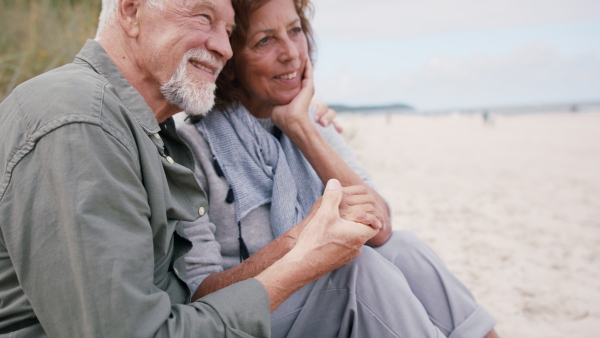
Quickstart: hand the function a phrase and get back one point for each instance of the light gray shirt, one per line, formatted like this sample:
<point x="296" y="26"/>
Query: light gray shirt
<point x="92" y="191"/>
<point x="215" y="237"/>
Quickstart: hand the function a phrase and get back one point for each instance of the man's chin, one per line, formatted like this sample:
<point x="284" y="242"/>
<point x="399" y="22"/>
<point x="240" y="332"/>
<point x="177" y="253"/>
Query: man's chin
<point x="199" y="109"/>
<point x="193" y="102"/>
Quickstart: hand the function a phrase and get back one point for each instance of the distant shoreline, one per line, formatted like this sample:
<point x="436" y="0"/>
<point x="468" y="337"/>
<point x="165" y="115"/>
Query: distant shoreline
<point x="581" y="107"/>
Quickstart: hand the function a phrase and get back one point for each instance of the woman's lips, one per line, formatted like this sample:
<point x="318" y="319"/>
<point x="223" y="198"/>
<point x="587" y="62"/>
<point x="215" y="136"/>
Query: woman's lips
<point x="288" y="76"/>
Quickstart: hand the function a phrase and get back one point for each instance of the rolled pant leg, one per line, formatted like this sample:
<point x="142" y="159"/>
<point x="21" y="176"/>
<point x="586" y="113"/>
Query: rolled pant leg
<point x="449" y="304"/>
<point x="369" y="297"/>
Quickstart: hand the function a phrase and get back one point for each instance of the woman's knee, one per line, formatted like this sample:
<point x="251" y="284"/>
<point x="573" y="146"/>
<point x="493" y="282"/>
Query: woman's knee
<point x="404" y="243"/>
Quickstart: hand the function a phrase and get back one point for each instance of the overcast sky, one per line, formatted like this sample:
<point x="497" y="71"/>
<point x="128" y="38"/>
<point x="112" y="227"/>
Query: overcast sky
<point x="453" y="54"/>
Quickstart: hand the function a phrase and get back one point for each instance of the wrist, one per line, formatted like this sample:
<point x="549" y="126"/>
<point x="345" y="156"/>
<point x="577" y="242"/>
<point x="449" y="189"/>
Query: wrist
<point x="304" y="134"/>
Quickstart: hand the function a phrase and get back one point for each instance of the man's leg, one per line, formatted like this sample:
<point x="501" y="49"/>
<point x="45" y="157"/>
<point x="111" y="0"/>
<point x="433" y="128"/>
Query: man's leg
<point x="367" y="298"/>
<point x="449" y="304"/>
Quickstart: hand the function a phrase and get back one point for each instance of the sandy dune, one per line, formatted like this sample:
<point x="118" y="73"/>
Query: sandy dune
<point x="513" y="208"/>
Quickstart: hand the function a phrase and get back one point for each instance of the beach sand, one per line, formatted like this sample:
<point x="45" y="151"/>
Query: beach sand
<point x="512" y="207"/>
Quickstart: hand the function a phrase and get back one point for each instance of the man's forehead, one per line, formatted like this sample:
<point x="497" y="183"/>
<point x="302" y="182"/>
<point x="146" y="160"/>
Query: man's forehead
<point x="215" y="5"/>
<point x="192" y="4"/>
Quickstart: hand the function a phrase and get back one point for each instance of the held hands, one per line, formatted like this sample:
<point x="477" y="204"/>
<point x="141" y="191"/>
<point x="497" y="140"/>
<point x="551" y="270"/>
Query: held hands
<point x="359" y="205"/>
<point x="328" y="241"/>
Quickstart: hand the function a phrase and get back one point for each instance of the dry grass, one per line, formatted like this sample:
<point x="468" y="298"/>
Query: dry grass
<point x="39" y="35"/>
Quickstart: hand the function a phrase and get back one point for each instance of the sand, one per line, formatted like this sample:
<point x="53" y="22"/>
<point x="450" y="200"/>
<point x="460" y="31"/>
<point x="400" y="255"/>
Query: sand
<point x="512" y="207"/>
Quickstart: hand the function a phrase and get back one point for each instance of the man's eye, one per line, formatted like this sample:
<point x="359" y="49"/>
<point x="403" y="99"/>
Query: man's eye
<point x="205" y="18"/>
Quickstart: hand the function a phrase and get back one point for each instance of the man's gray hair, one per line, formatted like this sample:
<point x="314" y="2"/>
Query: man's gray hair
<point x="110" y="10"/>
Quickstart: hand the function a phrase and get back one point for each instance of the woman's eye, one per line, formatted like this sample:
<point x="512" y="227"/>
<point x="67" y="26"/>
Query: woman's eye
<point x="296" y="30"/>
<point x="263" y="41"/>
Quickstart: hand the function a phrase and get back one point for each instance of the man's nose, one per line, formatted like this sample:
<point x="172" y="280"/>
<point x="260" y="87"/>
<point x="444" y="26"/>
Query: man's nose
<point x="218" y="42"/>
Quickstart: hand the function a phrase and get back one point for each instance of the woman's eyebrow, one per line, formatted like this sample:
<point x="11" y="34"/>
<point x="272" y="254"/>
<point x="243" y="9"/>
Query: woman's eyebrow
<point x="271" y="31"/>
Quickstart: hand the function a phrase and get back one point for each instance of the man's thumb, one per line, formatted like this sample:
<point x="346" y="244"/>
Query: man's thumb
<point x="333" y="194"/>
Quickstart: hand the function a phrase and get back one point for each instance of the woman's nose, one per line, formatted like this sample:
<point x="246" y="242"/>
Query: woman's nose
<point x="289" y="50"/>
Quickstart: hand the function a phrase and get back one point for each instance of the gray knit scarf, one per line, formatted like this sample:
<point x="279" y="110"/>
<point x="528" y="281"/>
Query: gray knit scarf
<point x="260" y="168"/>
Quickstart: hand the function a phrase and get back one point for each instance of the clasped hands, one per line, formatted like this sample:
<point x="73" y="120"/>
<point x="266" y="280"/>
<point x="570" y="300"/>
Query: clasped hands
<point x="337" y="227"/>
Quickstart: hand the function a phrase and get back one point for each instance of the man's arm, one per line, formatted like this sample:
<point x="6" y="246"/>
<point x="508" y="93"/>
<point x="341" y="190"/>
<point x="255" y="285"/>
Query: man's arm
<point x="82" y="246"/>
<point x="351" y="209"/>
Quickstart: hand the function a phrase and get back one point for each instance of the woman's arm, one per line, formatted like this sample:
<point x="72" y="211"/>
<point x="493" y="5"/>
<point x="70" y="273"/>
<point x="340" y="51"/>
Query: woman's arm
<point x="293" y="120"/>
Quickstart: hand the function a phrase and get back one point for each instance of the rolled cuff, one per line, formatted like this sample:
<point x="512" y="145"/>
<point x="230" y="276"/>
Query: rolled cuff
<point x="244" y="307"/>
<point x="478" y="324"/>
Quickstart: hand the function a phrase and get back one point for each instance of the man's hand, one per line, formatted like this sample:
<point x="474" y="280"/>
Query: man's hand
<point x="358" y="205"/>
<point x="326" y="243"/>
<point x="328" y="239"/>
<point x="326" y="116"/>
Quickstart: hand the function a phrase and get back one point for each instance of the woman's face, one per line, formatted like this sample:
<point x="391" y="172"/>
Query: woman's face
<point x="271" y="63"/>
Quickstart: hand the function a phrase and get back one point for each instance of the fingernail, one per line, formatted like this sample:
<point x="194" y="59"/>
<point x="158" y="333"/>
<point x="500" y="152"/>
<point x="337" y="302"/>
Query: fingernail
<point x="324" y="122"/>
<point x="333" y="184"/>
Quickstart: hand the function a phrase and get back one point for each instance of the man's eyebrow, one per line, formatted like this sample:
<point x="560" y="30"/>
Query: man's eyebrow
<point x="194" y="4"/>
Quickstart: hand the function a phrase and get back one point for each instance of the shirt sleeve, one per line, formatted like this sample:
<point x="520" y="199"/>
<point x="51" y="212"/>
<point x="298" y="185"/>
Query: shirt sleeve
<point x="205" y="257"/>
<point x="81" y="244"/>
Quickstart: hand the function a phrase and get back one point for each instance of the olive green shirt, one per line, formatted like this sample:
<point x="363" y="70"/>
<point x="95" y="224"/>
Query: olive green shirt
<point x="92" y="190"/>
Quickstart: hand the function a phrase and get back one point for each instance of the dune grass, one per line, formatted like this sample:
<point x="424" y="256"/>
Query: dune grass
<point x="39" y="35"/>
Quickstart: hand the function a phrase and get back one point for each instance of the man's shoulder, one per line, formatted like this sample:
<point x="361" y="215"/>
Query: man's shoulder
<point x="72" y="93"/>
<point x="70" y="89"/>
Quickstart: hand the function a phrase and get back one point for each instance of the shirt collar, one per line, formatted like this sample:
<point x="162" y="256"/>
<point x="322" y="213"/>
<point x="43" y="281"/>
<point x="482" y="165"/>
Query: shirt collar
<point x="94" y="54"/>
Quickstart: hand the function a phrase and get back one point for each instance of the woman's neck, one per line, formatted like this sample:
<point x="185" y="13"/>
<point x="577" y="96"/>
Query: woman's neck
<point x="258" y="109"/>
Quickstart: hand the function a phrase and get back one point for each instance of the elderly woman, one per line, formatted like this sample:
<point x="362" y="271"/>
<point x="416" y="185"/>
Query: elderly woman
<point x="263" y="161"/>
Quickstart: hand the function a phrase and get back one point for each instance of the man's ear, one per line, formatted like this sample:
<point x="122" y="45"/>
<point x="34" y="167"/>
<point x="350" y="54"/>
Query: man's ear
<point x="128" y="13"/>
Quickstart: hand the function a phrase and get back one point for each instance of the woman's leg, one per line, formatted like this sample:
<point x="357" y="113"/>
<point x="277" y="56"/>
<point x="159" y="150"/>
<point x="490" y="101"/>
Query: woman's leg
<point x="367" y="298"/>
<point x="449" y="304"/>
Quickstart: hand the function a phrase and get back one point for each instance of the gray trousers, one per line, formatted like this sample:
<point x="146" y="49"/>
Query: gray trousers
<point x="401" y="289"/>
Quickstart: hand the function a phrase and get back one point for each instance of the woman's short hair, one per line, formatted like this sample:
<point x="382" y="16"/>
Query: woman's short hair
<point x="228" y="87"/>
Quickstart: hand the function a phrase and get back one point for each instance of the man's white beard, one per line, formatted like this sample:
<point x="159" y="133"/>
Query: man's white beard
<point x="195" y="97"/>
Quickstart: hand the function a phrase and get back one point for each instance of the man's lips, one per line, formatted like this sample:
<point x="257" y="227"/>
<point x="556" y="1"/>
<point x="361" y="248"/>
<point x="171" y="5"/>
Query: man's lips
<point x="209" y="69"/>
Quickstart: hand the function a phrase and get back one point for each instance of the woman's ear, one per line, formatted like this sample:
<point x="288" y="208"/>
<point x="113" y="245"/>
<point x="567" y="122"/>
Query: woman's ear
<point x="128" y="13"/>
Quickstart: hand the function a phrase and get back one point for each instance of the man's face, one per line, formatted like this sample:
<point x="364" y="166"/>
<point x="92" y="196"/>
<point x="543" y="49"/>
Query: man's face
<point x="186" y="45"/>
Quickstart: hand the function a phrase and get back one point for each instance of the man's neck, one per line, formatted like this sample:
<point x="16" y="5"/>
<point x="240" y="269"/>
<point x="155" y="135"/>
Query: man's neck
<point x="121" y="53"/>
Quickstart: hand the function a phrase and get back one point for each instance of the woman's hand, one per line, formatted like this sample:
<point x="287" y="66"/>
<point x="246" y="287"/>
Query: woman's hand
<point x="359" y="205"/>
<point x="290" y="116"/>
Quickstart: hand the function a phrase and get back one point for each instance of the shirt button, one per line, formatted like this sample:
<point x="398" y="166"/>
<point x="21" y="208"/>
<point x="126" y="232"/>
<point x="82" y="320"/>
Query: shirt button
<point x="157" y="136"/>
<point x="170" y="160"/>
<point x="201" y="211"/>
